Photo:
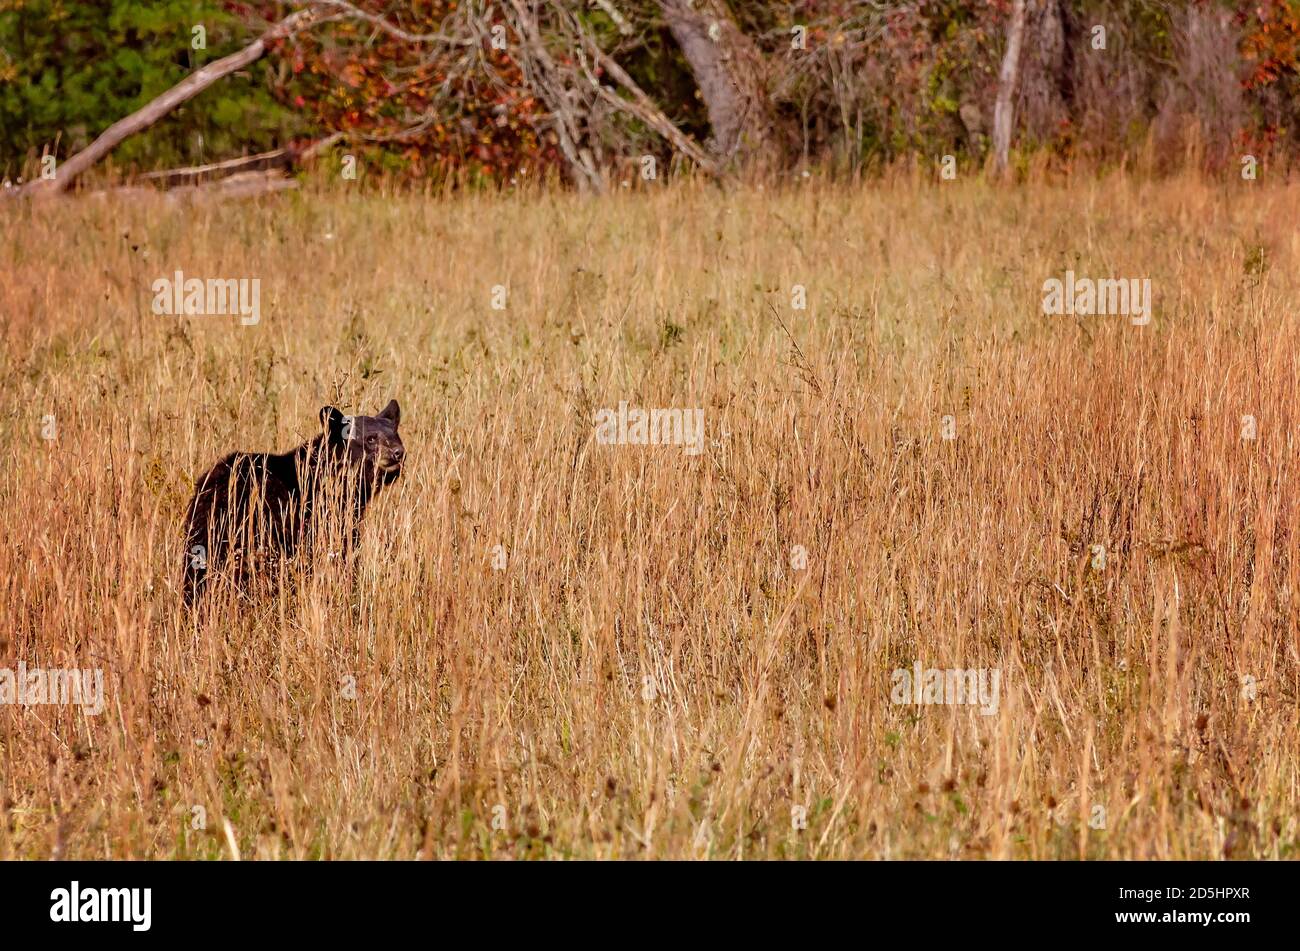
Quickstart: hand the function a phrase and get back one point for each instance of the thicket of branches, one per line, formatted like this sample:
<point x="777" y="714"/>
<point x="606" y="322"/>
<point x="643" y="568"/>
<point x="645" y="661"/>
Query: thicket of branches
<point x="589" y="90"/>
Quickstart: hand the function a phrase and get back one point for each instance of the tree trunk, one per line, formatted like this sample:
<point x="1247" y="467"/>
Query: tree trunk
<point x="1008" y="80"/>
<point x="729" y="72"/>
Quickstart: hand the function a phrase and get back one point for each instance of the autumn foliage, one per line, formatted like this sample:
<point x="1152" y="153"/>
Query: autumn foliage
<point x="411" y="103"/>
<point x="872" y="85"/>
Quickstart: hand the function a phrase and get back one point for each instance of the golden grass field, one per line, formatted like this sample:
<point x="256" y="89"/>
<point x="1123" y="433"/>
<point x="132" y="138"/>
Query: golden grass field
<point x="649" y="677"/>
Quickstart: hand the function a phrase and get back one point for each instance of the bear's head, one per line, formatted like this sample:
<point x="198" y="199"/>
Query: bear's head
<point x="368" y="444"/>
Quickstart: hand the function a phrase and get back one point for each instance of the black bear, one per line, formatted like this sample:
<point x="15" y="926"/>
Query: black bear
<point x="254" y="510"/>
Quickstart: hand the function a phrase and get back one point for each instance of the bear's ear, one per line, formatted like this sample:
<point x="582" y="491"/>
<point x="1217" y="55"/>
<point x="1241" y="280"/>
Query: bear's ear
<point x="392" y="412"/>
<point x="332" y="423"/>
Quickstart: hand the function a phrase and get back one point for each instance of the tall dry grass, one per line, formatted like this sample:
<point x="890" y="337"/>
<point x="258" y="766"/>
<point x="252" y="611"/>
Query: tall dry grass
<point x="649" y="676"/>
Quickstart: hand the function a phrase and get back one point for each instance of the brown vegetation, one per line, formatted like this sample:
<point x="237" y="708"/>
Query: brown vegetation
<point x="648" y="674"/>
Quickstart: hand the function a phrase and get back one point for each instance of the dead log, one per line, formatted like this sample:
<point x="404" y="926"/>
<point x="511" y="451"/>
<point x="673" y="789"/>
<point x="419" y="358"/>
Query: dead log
<point x="234" y="187"/>
<point x="199" y="174"/>
<point x="286" y="158"/>
<point x="243" y="185"/>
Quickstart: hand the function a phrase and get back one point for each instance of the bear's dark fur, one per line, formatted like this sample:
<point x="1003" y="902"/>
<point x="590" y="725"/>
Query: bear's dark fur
<point x="254" y="510"/>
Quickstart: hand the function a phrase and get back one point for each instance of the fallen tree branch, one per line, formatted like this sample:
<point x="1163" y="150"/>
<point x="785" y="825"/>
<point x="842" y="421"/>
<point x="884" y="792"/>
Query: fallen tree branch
<point x="320" y="145"/>
<point x="155" y="109"/>
<point x="239" y="185"/>
<point x="284" y="158"/>
<point x="199" y="174"/>
<point x="244" y="185"/>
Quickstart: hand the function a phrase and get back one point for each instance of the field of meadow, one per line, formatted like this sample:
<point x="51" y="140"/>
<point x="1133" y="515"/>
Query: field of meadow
<point x="556" y="646"/>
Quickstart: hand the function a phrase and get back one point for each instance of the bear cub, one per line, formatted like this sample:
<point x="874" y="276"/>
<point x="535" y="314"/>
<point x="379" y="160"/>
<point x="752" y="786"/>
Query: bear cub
<point x="254" y="511"/>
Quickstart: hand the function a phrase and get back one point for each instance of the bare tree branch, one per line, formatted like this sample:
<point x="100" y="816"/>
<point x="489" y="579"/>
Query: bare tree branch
<point x="641" y="105"/>
<point x="553" y="91"/>
<point x="350" y="11"/>
<point x="620" y="21"/>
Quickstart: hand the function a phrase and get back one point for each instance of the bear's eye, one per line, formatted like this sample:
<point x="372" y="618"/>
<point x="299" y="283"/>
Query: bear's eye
<point x="372" y="439"/>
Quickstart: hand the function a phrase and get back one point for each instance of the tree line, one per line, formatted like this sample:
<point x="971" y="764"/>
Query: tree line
<point x="600" y="91"/>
